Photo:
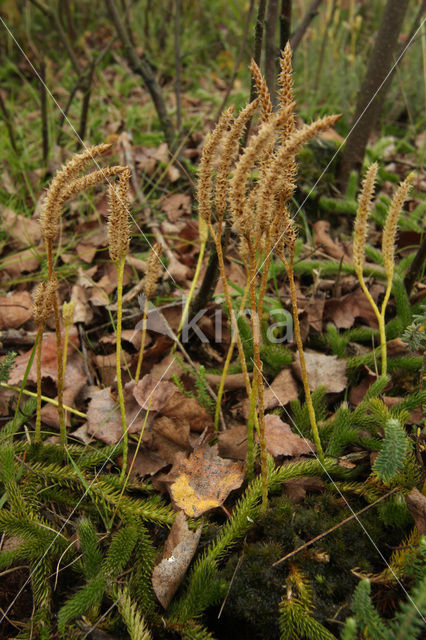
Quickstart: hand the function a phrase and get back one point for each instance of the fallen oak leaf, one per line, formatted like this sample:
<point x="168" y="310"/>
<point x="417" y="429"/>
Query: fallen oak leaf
<point x="15" y="309"/>
<point x="205" y="481"/>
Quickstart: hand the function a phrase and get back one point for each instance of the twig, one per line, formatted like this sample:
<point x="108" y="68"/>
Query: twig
<point x="141" y="67"/>
<point x="53" y="16"/>
<point x="415" y="266"/>
<point x="285" y="22"/>
<point x="43" y="102"/>
<point x="336" y="526"/>
<point x="301" y="29"/>
<point x="8" y="123"/>
<point x="238" y="60"/>
<point x="178" y="64"/>
<point x="86" y="87"/>
<point x="257" y="53"/>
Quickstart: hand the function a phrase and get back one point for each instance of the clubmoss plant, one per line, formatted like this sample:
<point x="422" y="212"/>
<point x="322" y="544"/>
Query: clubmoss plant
<point x="260" y="215"/>
<point x="64" y="185"/>
<point x="119" y="239"/>
<point x="44" y="295"/>
<point x="388" y="245"/>
<point x="153" y="271"/>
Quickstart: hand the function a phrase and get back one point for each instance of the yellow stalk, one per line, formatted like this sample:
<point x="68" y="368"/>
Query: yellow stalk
<point x="143" y="338"/>
<point x="293" y="293"/>
<point x="120" y="272"/>
<point x="32" y="394"/>
<point x="37" y="435"/>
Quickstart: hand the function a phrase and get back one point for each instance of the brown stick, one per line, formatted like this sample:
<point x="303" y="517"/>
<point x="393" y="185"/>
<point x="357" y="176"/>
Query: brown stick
<point x="336" y="526"/>
<point x="238" y="60"/>
<point x="53" y="16"/>
<point x="43" y="102"/>
<point x="141" y="67"/>
<point x="285" y="22"/>
<point x="301" y="29"/>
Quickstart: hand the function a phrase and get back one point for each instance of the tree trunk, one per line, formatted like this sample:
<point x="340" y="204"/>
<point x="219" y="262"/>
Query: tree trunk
<point x="373" y="90"/>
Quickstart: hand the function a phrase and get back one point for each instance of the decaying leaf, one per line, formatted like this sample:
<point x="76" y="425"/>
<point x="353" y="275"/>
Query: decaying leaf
<point x="24" y="231"/>
<point x="205" y="481"/>
<point x="15" y="309"/>
<point x="344" y="310"/>
<point x="332" y="247"/>
<point x="281" y="441"/>
<point x="103" y="415"/>
<point x="176" y="205"/>
<point x="233" y="442"/>
<point x="178" y="552"/>
<point x="323" y="370"/>
<point x="282" y="390"/>
<point x="152" y="394"/>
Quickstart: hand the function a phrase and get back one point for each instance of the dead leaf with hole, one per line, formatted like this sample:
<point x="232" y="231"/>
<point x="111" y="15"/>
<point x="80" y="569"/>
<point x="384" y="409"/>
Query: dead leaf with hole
<point x="205" y="480"/>
<point x="176" y="205"/>
<point x="178" y="552"/>
<point x="281" y="441"/>
<point x="15" y="309"/>
<point x="323" y="370"/>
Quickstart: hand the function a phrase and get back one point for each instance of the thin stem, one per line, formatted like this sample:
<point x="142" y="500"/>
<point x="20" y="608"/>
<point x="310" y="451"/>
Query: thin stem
<point x="226" y="366"/>
<point x="257" y="387"/>
<point x="120" y="271"/>
<point x="312" y="419"/>
<point x="37" y="435"/>
<point x="380" y="315"/>
<point x="231" y="308"/>
<point x="143" y="338"/>
<point x="31" y="394"/>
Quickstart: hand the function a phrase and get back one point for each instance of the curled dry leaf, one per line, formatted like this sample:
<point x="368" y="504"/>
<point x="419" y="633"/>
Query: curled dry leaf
<point x="15" y="309"/>
<point x="205" y="480"/>
<point x="323" y="370"/>
<point x="178" y="552"/>
<point x="281" y="441"/>
<point x="233" y="442"/>
<point x="180" y="408"/>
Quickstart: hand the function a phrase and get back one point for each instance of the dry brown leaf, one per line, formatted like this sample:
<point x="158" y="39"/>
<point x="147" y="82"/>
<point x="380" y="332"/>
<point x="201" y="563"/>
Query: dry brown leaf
<point x="281" y="441"/>
<point x="15" y="309"/>
<point x="24" y="231"/>
<point x="103" y="415"/>
<point x="323" y="370"/>
<point x="152" y="394"/>
<point x="82" y="311"/>
<point x="86" y="252"/>
<point x="233" y="443"/>
<point x="49" y="362"/>
<point x="146" y="463"/>
<point x="333" y="248"/>
<point x="343" y="311"/>
<point x="106" y="365"/>
<point x="176" y="205"/>
<point x="416" y="503"/>
<point x="205" y="481"/>
<point x="20" y="262"/>
<point x="170" y="440"/>
<point x="296" y="489"/>
<point x="282" y="390"/>
<point x="183" y="409"/>
<point x="75" y="379"/>
<point x="178" y="552"/>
